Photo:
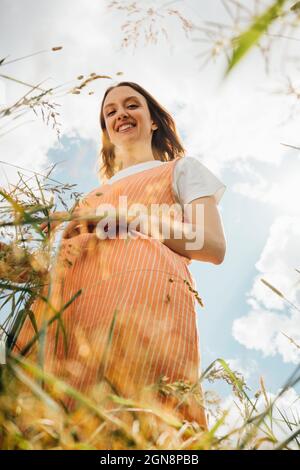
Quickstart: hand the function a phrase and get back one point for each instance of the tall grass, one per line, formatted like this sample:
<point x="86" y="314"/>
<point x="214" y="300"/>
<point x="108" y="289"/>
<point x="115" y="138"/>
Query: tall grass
<point x="32" y="414"/>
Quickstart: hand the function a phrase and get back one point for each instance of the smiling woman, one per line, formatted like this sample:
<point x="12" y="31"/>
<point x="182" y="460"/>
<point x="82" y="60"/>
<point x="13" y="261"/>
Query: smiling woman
<point x="130" y="135"/>
<point x="154" y="137"/>
<point x="134" y="324"/>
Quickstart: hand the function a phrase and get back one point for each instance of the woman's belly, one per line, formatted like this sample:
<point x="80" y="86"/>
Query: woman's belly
<point x="92" y="260"/>
<point x="117" y="274"/>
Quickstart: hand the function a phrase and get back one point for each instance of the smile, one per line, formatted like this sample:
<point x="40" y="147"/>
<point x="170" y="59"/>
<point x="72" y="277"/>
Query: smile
<point x="128" y="128"/>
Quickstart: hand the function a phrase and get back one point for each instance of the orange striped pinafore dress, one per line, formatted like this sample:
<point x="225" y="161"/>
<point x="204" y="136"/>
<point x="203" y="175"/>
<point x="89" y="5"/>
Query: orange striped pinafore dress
<point x="134" y="320"/>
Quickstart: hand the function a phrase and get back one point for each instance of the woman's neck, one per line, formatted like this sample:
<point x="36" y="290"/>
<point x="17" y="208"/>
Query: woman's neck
<point x="127" y="158"/>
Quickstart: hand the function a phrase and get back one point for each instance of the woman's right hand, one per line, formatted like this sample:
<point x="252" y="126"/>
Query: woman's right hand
<point x="55" y="219"/>
<point x="3" y="247"/>
<point x="139" y="225"/>
<point x="86" y="220"/>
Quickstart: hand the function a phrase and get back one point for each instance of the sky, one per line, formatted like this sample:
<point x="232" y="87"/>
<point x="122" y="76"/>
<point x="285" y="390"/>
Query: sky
<point x="243" y="129"/>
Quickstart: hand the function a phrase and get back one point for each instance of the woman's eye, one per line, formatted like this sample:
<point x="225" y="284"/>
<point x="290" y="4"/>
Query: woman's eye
<point x="135" y="105"/>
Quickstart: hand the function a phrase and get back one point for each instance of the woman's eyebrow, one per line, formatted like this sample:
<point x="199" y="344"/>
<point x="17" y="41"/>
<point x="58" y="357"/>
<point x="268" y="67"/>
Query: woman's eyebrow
<point x="126" y="99"/>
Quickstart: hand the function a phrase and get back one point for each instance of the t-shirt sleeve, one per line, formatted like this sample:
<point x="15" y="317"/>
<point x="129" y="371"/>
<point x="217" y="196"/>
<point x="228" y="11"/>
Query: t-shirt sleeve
<point x="192" y="180"/>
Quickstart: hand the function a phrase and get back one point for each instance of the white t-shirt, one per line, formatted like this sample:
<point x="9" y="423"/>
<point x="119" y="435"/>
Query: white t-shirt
<point x="191" y="179"/>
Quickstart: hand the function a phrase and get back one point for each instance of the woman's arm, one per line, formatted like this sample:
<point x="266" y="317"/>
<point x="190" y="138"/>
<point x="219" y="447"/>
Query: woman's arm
<point x="202" y="237"/>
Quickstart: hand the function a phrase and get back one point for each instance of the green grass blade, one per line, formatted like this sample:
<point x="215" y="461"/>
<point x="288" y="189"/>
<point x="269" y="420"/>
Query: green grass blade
<point x="291" y="437"/>
<point x="250" y="37"/>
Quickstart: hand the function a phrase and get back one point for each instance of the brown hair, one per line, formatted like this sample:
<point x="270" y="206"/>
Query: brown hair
<point x="166" y="144"/>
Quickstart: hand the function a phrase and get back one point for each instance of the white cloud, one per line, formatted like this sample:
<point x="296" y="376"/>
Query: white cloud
<point x="246" y="367"/>
<point x="288" y="404"/>
<point x="279" y="259"/>
<point x="273" y="185"/>
<point x="262" y="330"/>
<point x="270" y="315"/>
<point x="221" y="126"/>
<point x="24" y="147"/>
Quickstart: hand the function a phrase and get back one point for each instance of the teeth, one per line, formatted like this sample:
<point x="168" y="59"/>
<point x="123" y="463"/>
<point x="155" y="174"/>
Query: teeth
<point x="125" y="126"/>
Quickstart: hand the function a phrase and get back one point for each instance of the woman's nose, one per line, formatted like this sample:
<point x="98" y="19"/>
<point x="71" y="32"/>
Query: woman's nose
<point x="122" y="114"/>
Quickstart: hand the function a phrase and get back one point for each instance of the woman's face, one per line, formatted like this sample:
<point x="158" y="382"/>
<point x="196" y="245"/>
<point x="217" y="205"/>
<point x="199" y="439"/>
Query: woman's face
<point x="125" y="105"/>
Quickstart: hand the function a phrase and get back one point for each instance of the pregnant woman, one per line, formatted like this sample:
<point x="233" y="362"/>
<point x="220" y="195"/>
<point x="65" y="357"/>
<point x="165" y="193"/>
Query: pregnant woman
<point x="134" y="322"/>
